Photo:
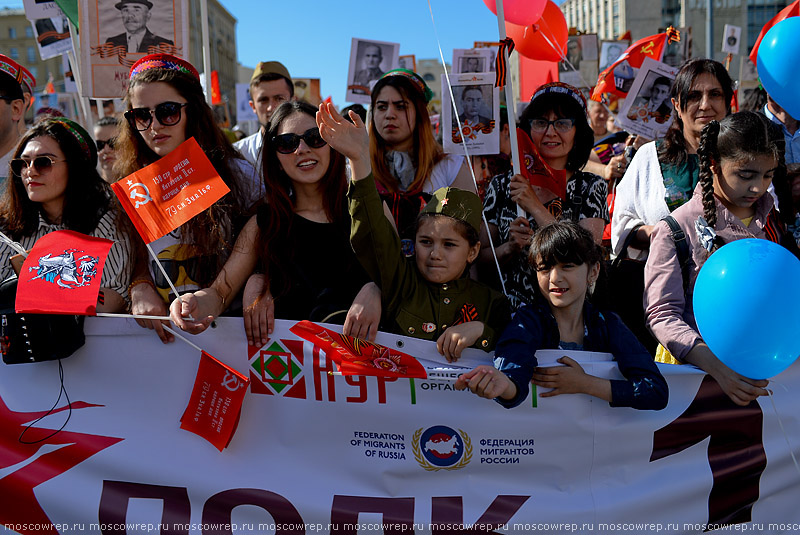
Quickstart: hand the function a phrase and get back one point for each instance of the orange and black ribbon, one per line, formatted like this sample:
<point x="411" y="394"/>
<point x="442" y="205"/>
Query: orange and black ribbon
<point x="467" y="313"/>
<point x="500" y="64"/>
<point x="673" y="35"/>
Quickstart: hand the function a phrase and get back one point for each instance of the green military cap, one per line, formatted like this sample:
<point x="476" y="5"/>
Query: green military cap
<point x="458" y="204"/>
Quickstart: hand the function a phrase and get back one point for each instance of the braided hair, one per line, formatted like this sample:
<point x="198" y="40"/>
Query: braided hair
<point x="736" y="137"/>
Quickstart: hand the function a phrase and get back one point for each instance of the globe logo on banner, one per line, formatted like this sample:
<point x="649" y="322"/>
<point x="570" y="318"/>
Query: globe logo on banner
<point x="441" y="448"/>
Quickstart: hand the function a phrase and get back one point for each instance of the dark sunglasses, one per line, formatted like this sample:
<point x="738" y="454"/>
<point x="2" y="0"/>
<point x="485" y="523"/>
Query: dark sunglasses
<point x="166" y="113"/>
<point x="102" y="144"/>
<point x="288" y="143"/>
<point x="40" y="163"/>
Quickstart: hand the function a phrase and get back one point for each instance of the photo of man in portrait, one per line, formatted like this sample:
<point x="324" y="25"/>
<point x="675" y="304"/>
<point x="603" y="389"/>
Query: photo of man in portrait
<point x="137" y="38"/>
<point x="652" y="104"/>
<point x="471" y="64"/>
<point x="370" y="56"/>
<point x="470" y="106"/>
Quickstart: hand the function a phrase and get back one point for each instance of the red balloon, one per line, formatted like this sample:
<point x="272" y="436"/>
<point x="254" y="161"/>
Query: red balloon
<point x="546" y="40"/>
<point x="522" y="12"/>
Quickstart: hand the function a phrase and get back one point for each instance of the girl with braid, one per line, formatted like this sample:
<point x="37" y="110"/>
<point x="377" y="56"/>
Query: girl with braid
<point x="738" y="157"/>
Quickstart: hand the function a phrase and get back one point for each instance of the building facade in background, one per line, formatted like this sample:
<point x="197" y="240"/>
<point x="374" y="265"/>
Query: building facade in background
<point x="611" y="18"/>
<point x="222" y="38"/>
<point x="18" y="42"/>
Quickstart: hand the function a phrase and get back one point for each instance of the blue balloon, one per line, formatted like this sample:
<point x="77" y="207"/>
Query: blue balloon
<point x="777" y="53"/>
<point x="747" y="306"/>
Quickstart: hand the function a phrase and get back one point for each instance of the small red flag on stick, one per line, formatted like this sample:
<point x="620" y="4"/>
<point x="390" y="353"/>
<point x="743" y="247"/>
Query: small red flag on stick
<point x="216" y="402"/>
<point x="62" y="273"/>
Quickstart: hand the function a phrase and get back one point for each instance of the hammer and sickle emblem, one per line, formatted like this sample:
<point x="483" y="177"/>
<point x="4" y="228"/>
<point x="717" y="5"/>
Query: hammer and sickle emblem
<point x="649" y="48"/>
<point x="231" y="382"/>
<point x="135" y="195"/>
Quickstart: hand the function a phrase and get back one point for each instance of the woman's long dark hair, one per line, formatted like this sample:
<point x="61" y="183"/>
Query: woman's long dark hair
<point x="275" y="220"/>
<point x="564" y="106"/>
<point x="87" y="196"/>
<point x="673" y="150"/>
<point x="212" y="231"/>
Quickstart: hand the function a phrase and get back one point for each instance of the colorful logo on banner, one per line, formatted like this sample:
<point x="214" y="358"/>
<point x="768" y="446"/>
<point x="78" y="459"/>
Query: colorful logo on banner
<point x="277" y="369"/>
<point x="441" y="448"/>
<point x="62" y="273"/>
<point x="168" y="193"/>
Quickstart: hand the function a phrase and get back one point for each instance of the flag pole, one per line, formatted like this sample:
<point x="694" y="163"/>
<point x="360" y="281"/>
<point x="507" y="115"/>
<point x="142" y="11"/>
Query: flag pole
<point x="510" y="106"/>
<point x="183" y="338"/>
<point x="163" y="272"/>
<point x="76" y="70"/>
<point x="134" y="316"/>
<point x="14" y="245"/>
<point x="206" y="48"/>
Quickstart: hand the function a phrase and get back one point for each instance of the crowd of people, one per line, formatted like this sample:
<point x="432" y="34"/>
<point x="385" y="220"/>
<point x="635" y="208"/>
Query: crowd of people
<point x="365" y="222"/>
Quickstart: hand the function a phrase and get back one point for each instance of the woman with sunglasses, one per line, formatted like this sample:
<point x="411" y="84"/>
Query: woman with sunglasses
<point x="54" y="185"/>
<point x="408" y="163"/>
<point x="557" y="122"/>
<point x="165" y="107"/>
<point x="105" y="130"/>
<point x="298" y="243"/>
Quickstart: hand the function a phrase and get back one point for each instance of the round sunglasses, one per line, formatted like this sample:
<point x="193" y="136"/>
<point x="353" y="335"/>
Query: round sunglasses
<point x="166" y="113"/>
<point x="41" y="164"/>
<point x="288" y="143"/>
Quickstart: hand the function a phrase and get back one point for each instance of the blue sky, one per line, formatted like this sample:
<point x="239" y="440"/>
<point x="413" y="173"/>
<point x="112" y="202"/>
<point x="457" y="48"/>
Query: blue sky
<point x="312" y="37"/>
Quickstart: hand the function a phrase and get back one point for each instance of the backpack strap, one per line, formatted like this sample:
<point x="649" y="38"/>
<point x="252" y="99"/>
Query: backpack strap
<point x="681" y="248"/>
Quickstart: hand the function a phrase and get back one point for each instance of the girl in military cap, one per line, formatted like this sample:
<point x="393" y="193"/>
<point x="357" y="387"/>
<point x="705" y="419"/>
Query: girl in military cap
<point x="427" y="296"/>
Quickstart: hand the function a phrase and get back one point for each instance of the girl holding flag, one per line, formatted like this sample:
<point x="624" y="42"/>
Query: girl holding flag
<point x="54" y="185"/>
<point x="297" y="243"/>
<point x="558" y="126"/>
<point x="165" y="107"/>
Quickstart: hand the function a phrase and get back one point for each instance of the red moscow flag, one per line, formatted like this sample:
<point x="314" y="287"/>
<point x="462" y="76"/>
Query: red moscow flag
<point x="62" y="274"/>
<point x="618" y="77"/>
<point x="216" y="402"/>
<point x="168" y="193"/>
<point x="536" y="170"/>
<point x="792" y="10"/>
<point x="354" y="356"/>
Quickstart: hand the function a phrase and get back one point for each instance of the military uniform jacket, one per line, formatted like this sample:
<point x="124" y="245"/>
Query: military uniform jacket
<point x="412" y="305"/>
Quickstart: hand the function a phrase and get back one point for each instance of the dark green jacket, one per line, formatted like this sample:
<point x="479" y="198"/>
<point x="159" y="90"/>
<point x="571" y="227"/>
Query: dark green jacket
<point x="412" y="305"/>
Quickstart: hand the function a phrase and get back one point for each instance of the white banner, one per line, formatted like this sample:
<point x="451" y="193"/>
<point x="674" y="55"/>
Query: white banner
<point x="320" y="453"/>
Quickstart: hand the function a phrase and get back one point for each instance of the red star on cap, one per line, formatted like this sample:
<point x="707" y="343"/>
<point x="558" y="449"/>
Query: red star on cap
<point x="444" y="201"/>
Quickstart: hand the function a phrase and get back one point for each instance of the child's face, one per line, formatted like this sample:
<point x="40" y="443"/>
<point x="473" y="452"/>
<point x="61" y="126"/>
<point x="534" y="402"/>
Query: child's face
<point x="442" y="253"/>
<point x="565" y="285"/>
<point x="740" y="183"/>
